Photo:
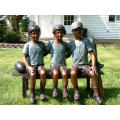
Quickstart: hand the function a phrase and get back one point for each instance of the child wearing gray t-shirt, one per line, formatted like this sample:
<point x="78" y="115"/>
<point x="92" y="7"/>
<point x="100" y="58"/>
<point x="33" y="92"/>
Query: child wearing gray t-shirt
<point x="80" y="47"/>
<point x="59" y="51"/>
<point x="33" y="53"/>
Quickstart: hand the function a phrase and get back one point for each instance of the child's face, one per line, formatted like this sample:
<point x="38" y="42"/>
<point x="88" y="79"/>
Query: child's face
<point x="78" y="32"/>
<point x="59" y="34"/>
<point x="35" y="35"/>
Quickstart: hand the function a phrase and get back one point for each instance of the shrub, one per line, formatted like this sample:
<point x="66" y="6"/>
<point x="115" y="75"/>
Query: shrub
<point x="12" y="37"/>
<point x="3" y="28"/>
<point x="24" y="24"/>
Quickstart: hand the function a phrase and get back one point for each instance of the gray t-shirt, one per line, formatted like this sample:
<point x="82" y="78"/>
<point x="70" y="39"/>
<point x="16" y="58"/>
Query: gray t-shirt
<point x="34" y="52"/>
<point x="58" y="52"/>
<point x="79" y="50"/>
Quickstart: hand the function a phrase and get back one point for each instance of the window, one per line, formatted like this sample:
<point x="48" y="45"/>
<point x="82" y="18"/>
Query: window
<point x="114" y="18"/>
<point x="118" y="18"/>
<point x="68" y="19"/>
<point x="111" y="18"/>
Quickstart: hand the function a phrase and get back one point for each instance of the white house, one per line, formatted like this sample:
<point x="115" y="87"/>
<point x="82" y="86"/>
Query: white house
<point x="100" y="27"/>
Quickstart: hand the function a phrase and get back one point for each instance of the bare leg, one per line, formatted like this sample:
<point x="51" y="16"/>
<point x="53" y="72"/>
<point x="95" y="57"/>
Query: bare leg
<point x="65" y="83"/>
<point x="96" y="94"/>
<point x="74" y="79"/>
<point x="42" y="83"/>
<point x="75" y="84"/>
<point x="55" y="74"/>
<point x="32" y="87"/>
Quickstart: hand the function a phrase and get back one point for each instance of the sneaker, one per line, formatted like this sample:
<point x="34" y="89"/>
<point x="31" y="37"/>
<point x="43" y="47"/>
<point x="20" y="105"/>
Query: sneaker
<point x="42" y="96"/>
<point x="98" y="98"/>
<point x="65" y="93"/>
<point x="54" y="94"/>
<point x="32" y="99"/>
<point x="76" y="95"/>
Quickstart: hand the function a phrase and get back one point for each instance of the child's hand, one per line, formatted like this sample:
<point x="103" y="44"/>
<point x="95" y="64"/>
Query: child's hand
<point x="31" y="69"/>
<point x="93" y="69"/>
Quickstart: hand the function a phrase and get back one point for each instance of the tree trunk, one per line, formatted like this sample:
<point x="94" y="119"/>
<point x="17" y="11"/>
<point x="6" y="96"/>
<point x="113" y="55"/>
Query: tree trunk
<point x="14" y="22"/>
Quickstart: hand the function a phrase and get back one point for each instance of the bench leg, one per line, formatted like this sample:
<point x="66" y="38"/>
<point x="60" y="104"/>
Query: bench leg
<point x="24" y="86"/>
<point x="100" y="86"/>
<point x="88" y="84"/>
<point x="27" y="86"/>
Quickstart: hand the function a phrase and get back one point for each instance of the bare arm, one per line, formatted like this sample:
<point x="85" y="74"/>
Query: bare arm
<point x="26" y="62"/>
<point x="93" y="60"/>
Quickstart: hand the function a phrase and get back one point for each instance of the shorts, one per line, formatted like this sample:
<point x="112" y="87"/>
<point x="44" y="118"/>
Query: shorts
<point x="84" y="69"/>
<point x="58" y="68"/>
<point x="37" y="68"/>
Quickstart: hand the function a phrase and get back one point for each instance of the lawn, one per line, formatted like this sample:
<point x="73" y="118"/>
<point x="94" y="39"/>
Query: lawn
<point x="11" y="87"/>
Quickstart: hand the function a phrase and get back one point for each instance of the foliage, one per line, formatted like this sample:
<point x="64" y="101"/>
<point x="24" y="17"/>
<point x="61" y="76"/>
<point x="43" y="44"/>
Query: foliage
<point x="3" y="28"/>
<point x="14" y="21"/>
<point x="11" y="86"/>
<point x="6" y="35"/>
<point x="12" y="37"/>
<point x="24" y="24"/>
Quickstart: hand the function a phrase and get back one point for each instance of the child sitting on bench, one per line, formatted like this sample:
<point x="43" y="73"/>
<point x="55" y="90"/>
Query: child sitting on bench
<point x="33" y="54"/>
<point x="80" y="47"/>
<point x="59" y="52"/>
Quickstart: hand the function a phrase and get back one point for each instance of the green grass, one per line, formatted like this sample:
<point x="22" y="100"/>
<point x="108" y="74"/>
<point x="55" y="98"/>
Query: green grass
<point x="11" y="86"/>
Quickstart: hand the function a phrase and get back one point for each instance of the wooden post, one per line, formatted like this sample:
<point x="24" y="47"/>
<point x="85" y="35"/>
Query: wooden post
<point x="27" y="86"/>
<point x="24" y="86"/>
<point x="88" y="83"/>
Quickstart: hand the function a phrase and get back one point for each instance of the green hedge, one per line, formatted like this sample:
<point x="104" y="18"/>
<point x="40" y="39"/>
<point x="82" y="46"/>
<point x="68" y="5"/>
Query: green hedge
<point x="3" y="28"/>
<point x="12" y="37"/>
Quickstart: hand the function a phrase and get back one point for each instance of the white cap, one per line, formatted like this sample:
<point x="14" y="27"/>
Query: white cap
<point x="77" y="24"/>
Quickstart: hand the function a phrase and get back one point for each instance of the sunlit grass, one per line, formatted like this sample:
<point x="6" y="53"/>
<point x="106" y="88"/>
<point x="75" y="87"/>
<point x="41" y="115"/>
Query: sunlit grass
<point x="11" y="86"/>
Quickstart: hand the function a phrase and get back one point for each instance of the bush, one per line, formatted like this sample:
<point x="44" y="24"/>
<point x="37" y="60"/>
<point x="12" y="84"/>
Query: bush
<point x="24" y="24"/>
<point x="12" y="37"/>
<point x="3" y="28"/>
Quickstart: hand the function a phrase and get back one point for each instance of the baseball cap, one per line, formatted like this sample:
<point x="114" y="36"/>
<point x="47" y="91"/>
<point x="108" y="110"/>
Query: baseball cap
<point x="77" y="24"/>
<point x="34" y="28"/>
<point x="58" y="27"/>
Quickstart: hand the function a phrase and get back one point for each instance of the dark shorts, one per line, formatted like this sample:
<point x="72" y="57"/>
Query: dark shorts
<point x="58" y="68"/>
<point x="84" y="69"/>
<point x="37" y="68"/>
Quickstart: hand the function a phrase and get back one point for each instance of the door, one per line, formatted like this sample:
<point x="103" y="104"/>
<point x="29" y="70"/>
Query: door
<point x="67" y="20"/>
<point x="46" y="24"/>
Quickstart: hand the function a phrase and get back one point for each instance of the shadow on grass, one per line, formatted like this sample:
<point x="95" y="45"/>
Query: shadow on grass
<point x="83" y="93"/>
<point x="110" y="93"/>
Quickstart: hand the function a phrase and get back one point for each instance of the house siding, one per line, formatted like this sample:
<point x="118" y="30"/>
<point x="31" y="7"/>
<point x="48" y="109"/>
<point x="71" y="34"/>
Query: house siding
<point x="98" y="26"/>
